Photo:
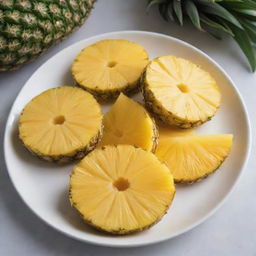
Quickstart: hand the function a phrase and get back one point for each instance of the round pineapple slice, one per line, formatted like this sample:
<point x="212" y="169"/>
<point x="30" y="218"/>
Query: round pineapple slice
<point x="192" y="157"/>
<point x="179" y="92"/>
<point x="121" y="189"/>
<point x="127" y="122"/>
<point x="109" y="67"/>
<point x="57" y="126"/>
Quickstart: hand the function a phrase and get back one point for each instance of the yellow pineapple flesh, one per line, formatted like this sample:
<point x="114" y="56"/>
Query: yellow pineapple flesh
<point x="57" y="126"/>
<point x="192" y="157"/>
<point x="109" y="67"/>
<point x="179" y="92"/>
<point x="121" y="189"/>
<point x="127" y="122"/>
<point x="168" y="131"/>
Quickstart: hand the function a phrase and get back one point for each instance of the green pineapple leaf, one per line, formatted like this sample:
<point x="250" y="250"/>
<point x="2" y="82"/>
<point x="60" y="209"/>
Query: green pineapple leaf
<point x="170" y="12"/>
<point x="250" y="27"/>
<point x="234" y="17"/>
<point x="215" y="24"/>
<point x="218" y="10"/>
<point x="249" y="13"/>
<point x="154" y="2"/>
<point x="243" y="40"/>
<point x="163" y="11"/>
<point x="213" y="32"/>
<point x="178" y="11"/>
<point x="192" y="13"/>
<point x="239" y="4"/>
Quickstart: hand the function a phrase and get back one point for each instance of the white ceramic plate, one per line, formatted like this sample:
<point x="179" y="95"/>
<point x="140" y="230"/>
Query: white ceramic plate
<point x="43" y="186"/>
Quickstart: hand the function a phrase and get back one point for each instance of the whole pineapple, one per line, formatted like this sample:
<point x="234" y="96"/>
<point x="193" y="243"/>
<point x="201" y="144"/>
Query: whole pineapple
<point x="28" y="28"/>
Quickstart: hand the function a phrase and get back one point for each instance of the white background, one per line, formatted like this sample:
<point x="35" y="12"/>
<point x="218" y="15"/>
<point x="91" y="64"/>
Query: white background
<point x="231" y="231"/>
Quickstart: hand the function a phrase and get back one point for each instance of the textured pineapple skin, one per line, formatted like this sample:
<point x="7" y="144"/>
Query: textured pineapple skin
<point x="190" y="182"/>
<point x="188" y="179"/>
<point x="119" y="231"/>
<point x="62" y="159"/>
<point x="110" y="95"/>
<point x="155" y="136"/>
<point x="28" y="28"/>
<point x="155" y="107"/>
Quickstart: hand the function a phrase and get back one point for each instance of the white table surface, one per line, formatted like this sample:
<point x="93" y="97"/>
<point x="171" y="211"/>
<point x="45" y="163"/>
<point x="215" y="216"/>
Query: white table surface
<point x="232" y="229"/>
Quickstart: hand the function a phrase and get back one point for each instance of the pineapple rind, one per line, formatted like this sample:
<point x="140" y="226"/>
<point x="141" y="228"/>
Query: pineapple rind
<point x="74" y="155"/>
<point x="207" y="172"/>
<point x="120" y="231"/>
<point x="156" y="107"/>
<point x="109" y="94"/>
<point x="154" y="137"/>
<point x="28" y="31"/>
<point x="160" y="113"/>
<point x="192" y="181"/>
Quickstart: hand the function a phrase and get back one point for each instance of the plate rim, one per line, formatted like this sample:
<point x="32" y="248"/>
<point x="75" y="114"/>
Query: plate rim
<point x="190" y="227"/>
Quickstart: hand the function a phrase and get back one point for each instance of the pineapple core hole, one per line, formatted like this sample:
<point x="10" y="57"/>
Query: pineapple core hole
<point x="59" y="120"/>
<point x="121" y="184"/>
<point x="183" y="88"/>
<point x="111" y="64"/>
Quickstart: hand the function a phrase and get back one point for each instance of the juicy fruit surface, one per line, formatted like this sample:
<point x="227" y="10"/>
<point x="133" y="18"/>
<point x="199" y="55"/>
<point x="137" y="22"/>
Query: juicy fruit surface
<point x="128" y="122"/>
<point x="109" y="67"/>
<point x="121" y="189"/>
<point x="192" y="157"/>
<point x="57" y="122"/>
<point x="29" y="27"/>
<point x="167" y="131"/>
<point x="180" y="92"/>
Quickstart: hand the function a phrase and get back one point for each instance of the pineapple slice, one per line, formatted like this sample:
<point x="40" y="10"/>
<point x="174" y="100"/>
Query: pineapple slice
<point x="179" y="92"/>
<point x="128" y="122"/>
<point x="167" y="131"/>
<point x="57" y="126"/>
<point x="121" y="189"/>
<point x="109" y="67"/>
<point x="192" y="157"/>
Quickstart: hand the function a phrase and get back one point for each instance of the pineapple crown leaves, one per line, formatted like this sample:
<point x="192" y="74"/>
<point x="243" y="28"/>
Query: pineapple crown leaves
<point x="234" y="17"/>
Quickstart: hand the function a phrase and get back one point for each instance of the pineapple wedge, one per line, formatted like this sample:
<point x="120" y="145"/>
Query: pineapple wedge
<point x="192" y="157"/>
<point x="127" y="122"/>
<point x="57" y="126"/>
<point x="179" y="92"/>
<point x="109" y="67"/>
<point x="121" y="189"/>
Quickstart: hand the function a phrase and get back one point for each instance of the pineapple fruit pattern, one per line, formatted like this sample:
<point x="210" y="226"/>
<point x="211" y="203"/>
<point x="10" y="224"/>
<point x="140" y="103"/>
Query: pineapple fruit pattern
<point x="179" y="92"/>
<point x="57" y="126"/>
<point x="109" y="67"/>
<point x="121" y="189"/>
<point x="135" y="128"/>
<point x="198" y="155"/>
<point x="30" y="27"/>
<point x="125" y="181"/>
